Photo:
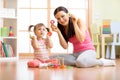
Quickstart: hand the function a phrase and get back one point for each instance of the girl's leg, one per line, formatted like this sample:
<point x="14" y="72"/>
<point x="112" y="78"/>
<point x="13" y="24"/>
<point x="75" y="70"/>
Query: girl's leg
<point x="34" y="63"/>
<point x="87" y="59"/>
<point x="69" y="59"/>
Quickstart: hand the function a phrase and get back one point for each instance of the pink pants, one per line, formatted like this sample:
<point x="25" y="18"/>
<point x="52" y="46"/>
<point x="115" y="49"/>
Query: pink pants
<point x="35" y="63"/>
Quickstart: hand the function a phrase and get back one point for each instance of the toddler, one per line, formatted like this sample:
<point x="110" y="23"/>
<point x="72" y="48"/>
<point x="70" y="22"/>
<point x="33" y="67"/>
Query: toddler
<point x="40" y="45"/>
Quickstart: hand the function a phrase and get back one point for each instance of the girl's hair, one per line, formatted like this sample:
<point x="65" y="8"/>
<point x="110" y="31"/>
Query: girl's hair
<point x="70" y="31"/>
<point x="35" y="26"/>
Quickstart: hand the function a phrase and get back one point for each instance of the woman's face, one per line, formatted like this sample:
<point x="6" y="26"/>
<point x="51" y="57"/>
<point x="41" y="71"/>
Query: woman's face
<point x="62" y="18"/>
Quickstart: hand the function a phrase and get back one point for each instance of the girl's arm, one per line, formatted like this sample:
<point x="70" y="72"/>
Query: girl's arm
<point x="34" y="43"/>
<point x="49" y="41"/>
<point x="62" y="41"/>
<point x="79" y="28"/>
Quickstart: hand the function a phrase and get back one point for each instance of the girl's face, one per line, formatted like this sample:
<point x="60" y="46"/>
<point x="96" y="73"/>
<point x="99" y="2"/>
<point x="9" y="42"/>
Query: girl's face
<point x="40" y="31"/>
<point x="62" y="18"/>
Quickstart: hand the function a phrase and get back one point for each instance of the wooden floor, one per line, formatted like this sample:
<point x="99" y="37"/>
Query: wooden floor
<point x="18" y="70"/>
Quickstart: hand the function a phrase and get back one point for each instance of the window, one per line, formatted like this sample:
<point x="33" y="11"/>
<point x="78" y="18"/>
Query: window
<point x="35" y="11"/>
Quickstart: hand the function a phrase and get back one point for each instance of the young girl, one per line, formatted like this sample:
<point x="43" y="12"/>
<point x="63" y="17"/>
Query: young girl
<point x="40" y="45"/>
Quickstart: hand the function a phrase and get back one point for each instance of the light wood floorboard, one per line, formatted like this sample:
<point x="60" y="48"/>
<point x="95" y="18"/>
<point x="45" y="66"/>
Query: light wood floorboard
<point x="18" y="70"/>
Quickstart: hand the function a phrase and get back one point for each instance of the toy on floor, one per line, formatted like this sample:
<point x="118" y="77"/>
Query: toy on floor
<point x="54" y="64"/>
<point x="51" y="64"/>
<point x="62" y="65"/>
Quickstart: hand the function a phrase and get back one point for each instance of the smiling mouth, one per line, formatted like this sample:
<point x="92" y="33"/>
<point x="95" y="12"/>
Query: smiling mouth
<point x="62" y="23"/>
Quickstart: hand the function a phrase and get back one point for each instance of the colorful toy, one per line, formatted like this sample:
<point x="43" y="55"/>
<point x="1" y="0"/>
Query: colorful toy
<point x="63" y="65"/>
<point x="11" y="31"/>
<point x="49" y="33"/>
<point x="55" y="64"/>
<point x="69" y="14"/>
<point x="52" y="22"/>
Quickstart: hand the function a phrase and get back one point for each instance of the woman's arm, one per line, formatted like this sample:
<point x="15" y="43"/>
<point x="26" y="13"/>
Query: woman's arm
<point x="62" y="41"/>
<point x="79" y="28"/>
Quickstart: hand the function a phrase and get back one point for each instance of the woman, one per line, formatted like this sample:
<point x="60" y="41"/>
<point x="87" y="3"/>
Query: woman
<point x="72" y="29"/>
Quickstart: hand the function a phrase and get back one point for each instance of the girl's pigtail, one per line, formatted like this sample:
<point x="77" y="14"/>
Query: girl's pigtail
<point x="29" y="28"/>
<point x="48" y="29"/>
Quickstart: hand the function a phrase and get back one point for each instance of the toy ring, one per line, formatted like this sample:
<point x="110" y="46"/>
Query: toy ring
<point x="52" y="21"/>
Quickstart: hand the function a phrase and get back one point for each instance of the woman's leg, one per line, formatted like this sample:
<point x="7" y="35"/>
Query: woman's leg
<point x="87" y="59"/>
<point x="69" y="59"/>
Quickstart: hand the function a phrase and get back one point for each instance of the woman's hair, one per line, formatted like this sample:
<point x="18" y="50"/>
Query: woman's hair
<point x="35" y="26"/>
<point x="60" y="8"/>
<point x="70" y="31"/>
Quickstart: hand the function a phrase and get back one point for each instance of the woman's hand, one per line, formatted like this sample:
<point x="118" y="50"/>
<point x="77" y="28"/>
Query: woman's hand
<point x="74" y="18"/>
<point x="54" y="28"/>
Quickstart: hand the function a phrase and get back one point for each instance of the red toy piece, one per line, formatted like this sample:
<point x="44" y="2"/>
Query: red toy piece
<point x="49" y="33"/>
<point x="52" y="22"/>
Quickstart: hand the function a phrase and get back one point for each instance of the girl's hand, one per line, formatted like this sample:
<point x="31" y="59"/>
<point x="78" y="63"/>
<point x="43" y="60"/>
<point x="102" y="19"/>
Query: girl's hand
<point x="32" y="37"/>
